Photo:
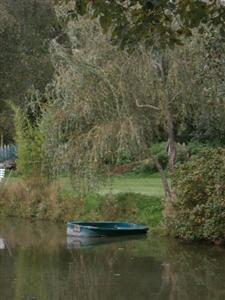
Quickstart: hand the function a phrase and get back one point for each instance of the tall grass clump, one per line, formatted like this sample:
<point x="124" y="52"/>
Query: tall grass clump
<point x="34" y="197"/>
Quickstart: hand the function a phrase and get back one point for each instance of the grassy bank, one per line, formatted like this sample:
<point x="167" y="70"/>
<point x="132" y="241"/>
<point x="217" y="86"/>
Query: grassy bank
<point x="149" y="185"/>
<point x="130" y="198"/>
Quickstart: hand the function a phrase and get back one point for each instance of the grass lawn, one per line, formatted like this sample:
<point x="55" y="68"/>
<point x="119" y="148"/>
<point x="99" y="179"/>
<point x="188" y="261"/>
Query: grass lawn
<point x="147" y="185"/>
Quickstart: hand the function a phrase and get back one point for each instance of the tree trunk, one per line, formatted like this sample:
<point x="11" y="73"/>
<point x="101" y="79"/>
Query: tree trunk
<point x="171" y="146"/>
<point x="167" y="100"/>
<point x="170" y="193"/>
<point x="164" y="180"/>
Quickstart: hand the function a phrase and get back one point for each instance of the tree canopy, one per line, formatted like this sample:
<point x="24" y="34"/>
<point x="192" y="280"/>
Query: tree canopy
<point x="26" y="27"/>
<point x="131" y="21"/>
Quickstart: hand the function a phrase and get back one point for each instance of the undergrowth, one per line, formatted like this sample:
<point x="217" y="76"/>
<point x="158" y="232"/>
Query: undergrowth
<point x="36" y="198"/>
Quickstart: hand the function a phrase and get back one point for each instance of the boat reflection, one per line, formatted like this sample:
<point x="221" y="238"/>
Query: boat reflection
<point x="89" y="242"/>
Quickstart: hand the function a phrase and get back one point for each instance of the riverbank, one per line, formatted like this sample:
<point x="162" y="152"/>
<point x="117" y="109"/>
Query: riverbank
<point x="132" y="198"/>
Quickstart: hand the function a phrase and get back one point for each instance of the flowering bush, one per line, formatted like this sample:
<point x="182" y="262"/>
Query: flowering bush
<point x="199" y="208"/>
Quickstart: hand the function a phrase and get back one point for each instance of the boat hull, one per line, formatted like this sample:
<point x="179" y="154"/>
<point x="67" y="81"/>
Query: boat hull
<point x="98" y="229"/>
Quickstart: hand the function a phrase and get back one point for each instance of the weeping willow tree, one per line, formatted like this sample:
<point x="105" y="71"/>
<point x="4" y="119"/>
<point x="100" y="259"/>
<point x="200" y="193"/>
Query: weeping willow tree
<point x="104" y="102"/>
<point x="117" y="102"/>
<point x="94" y="113"/>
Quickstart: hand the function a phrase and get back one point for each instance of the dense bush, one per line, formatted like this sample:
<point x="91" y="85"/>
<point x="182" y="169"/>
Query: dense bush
<point x="199" y="208"/>
<point x="195" y="147"/>
<point x="160" y="152"/>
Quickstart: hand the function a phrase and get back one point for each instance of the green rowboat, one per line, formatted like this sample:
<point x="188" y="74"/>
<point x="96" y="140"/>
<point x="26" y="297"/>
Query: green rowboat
<point x="97" y="229"/>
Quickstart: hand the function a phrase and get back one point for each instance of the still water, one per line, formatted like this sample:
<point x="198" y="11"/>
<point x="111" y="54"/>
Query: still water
<point x="38" y="262"/>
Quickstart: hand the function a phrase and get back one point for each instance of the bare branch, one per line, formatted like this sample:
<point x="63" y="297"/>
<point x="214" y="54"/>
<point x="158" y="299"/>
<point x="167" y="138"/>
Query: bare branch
<point x="146" y="105"/>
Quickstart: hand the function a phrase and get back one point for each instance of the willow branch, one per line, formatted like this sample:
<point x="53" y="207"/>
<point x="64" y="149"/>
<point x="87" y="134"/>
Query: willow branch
<point x="146" y="105"/>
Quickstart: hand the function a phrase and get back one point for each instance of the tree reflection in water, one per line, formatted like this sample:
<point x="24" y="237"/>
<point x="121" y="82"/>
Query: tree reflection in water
<point x="42" y="266"/>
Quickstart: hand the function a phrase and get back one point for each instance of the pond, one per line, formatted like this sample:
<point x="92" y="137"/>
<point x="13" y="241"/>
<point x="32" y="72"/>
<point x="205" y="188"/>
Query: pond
<point x="39" y="262"/>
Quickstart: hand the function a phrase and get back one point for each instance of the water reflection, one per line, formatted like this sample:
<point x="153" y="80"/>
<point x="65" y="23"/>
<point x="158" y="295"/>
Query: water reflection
<point x="2" y="244"/>
<point x="44" y="265"/>
<point x="90" y="242"/>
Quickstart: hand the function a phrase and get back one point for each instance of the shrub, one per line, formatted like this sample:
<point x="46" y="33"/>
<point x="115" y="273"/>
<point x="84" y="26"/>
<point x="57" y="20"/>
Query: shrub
<point x="29" y="141"/>
<point x="159" y="151"/>
<point x="124" y="158"/>
<point x="194" y="148"/>
<point x="199" y="208"/>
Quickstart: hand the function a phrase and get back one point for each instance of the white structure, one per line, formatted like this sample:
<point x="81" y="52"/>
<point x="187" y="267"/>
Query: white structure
<point x="2" y="174"/>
